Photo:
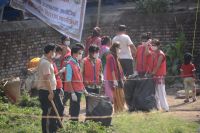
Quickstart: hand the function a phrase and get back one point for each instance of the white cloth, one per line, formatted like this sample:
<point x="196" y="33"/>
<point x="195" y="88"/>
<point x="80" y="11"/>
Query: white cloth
<point x="161" y="97"/>
<point x="125" y="43"/>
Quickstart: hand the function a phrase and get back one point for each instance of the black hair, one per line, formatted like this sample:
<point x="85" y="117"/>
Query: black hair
<point x="93" y="49"/>
<point x="144" y="37"/>
<point x="122" y="28"/>
<point x="63" y="38"/>
<point x="187" y="58"/>
<point x="49" y="47"/>
<point x="156" y="42"/>
<point x="80" y="45"/>
<point x="58" y="49"/>
<point x="149" y="35"/>
<point x="105" y="40"/>
<point x="75" y="49"/>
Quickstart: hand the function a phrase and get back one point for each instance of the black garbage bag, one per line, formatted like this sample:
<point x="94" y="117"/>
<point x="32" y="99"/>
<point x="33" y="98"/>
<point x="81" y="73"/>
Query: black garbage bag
<point x="140" y="94"/>
<point x="99" y="106"/>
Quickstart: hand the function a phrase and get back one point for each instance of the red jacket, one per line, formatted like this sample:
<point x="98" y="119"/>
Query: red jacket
<point x="91" y="74"/>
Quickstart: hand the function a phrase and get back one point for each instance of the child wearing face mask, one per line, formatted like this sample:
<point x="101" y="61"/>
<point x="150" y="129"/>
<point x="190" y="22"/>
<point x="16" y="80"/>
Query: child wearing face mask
<point x="159" y="71"/>
<point x="74" y="82"/>
<point x="92" y="70"/>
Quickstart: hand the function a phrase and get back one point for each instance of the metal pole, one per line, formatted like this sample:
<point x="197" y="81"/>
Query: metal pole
<point x="1" y="13"/>
<point x="98" y="13"/>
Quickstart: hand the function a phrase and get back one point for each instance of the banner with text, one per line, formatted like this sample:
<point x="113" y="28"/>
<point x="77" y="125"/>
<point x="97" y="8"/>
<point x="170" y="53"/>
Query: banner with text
<point x="65" y="16"/>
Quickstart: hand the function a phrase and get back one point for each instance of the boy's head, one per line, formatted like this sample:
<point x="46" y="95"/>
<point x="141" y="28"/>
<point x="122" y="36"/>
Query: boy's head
<point x="59" y="52"/>
<point x="144" y="37"/>
<point x="77" y="52"/>
<point x="94" y="51"/>
<point x="49" y="50"/>
<point x="155" y="44"/>
<point x="106" y="40"/>
<point x="187" y="58"/>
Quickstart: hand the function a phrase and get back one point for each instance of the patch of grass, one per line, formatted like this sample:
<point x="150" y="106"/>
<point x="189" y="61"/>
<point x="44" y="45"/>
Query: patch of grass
<point x="153" y="122"/>
<point x="19" y="123"/>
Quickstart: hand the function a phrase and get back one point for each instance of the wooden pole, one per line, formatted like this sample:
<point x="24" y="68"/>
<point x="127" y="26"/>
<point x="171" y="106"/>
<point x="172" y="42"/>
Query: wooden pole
<point x="98" y="13"/>
<point x="57" y="114"/>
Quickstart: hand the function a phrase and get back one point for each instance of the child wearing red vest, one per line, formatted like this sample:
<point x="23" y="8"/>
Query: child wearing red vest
<point x="159" y="71"/>
<point x="188" y="75"/>
<point x="143" y="59"/>
<point x="92" y="70"/>
<point x="74" y="81"/>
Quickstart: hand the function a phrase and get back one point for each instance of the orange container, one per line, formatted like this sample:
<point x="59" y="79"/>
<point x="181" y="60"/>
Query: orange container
<point x="33" y="62"/>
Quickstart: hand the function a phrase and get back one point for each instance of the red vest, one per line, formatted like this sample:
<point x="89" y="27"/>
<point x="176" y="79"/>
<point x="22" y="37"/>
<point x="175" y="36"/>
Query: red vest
<point x="77" y="80"/>
<point x="58" y="79"/>
<point x="91" y="72"/>
<point x="162" y="69"/>
<point x="111" y="65"/>
<point x="144" y="62"/>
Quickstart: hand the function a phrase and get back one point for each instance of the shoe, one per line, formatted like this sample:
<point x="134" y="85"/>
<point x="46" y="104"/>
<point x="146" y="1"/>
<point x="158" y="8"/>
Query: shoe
<point x="186" y="100"/>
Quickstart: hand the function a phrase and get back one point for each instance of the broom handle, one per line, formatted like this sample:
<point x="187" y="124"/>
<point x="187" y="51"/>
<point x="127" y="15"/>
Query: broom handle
<point x="55" y="109"/>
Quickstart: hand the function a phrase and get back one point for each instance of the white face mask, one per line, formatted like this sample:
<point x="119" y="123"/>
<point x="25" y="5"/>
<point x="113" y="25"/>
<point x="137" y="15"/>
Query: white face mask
<point x="57" y="56"/>
<point x="67" y="43"/>
<point x="96" y="55"/>
<point x="54" y="55"/>
<point x="154" y="48"/>
<point x="79" y="57"/>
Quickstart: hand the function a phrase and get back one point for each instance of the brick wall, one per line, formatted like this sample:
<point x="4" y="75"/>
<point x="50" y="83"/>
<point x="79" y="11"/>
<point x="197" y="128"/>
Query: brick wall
<point x="20" y="42"/>
<point x="23" y="40"/>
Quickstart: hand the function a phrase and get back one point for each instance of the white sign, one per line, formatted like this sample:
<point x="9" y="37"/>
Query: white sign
<point x="65" y="16"/>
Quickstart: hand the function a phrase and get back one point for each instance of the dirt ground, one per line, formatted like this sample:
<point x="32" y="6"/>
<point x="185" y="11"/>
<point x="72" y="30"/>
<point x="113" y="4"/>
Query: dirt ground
<point x="189" y="111"/>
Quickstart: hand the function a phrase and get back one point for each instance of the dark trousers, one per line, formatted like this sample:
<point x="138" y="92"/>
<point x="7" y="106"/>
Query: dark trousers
<point x="59" y="103"/>
<point x="66" y="97"/>
<point x="74" y="108"/>
<point x="49" y="125"/>
<point x="127" y="66"/>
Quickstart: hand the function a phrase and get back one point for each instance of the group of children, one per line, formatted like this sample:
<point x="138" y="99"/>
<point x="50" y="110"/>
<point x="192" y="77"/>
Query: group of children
<point x="101" y="72"/>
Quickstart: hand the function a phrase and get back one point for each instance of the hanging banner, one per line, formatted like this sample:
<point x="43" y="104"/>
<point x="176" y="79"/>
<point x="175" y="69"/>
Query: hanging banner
<point x="65" y="16"/>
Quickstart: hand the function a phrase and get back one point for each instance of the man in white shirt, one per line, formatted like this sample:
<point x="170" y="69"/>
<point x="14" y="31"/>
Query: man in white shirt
<point x="128" y="50"/>
<point x="47" y="88"/>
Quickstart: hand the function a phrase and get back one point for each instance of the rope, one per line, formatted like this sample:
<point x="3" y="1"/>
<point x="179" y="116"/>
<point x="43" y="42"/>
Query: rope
<point x="195" y="27"/>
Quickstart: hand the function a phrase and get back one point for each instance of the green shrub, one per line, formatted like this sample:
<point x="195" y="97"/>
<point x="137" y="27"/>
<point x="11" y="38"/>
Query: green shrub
<point x="153" y="6"/>
<point x="27" y="101"/>
<point x="174" y="56"/>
